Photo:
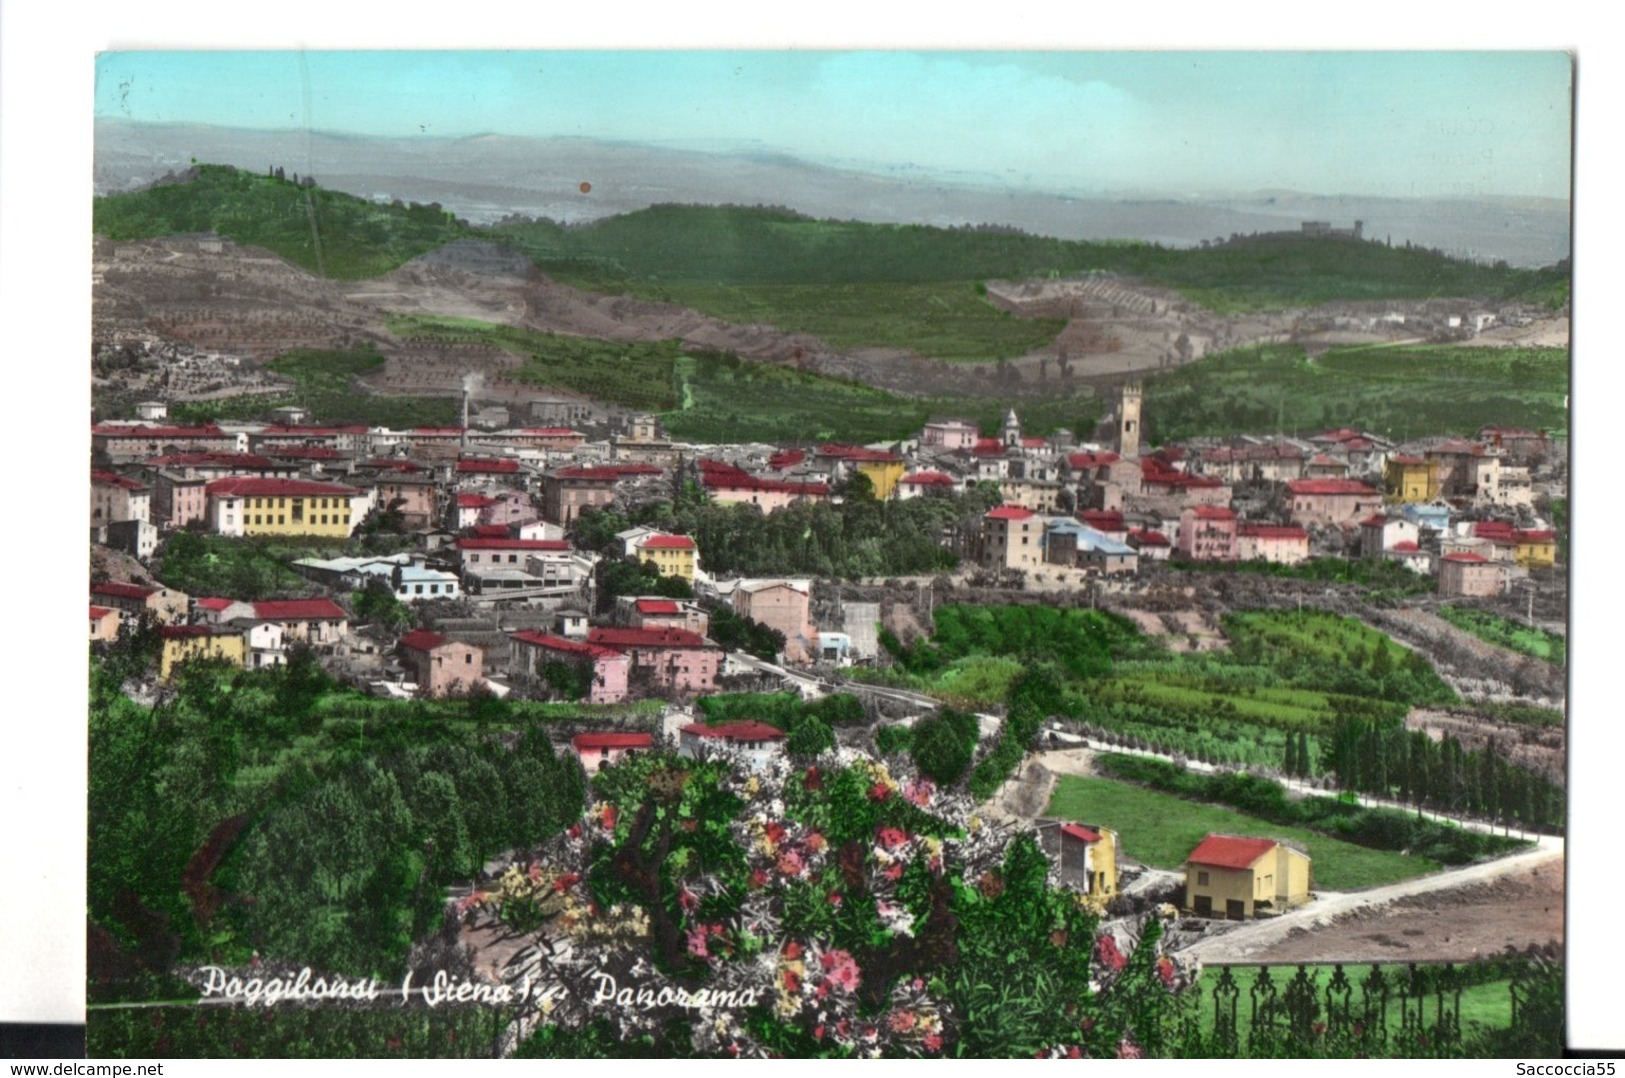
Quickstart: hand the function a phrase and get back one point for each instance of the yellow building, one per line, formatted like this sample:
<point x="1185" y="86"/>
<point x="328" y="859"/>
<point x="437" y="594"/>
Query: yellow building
<point x="183" y="643"/>
<point x="1236" y="878"/>
<point x="1089" y="859"/>
<point x="1535" y="549"/>
<point x="258" y="506"/>
<point x="1410" y="479"/>
<point x="884" y="474"/>
<point x="671" y="555"/>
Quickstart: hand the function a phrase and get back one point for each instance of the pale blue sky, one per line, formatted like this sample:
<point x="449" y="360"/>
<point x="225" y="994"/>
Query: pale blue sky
<point x="1397" y="123"/>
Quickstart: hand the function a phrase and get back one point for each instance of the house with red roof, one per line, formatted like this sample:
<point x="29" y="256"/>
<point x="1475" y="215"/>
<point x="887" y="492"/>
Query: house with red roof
<point x="138" y="441"/>
<point x="950" y="434"/>
<point x="600" y="750"/>
<point x="1152" y="545"/>
<point x="921" y="484"/>
<point x="184" y="643"/>
<point x="348" y="440"/>
<point x="603" y="670"/>
<point x="318" y="622"/>
<point x="653" y="612"/>
<point x="1281" y="544"/>
<point x="567" y="491"/>
<point x="1409" y="554"/>
<point x="1012" y="538"/>
<point x="882" y="468"/>
<point x="671" y="555"/>
<point x="250" y="505"/>
<point x="756" y="741"/>
<point x="1465" y="469"/>
<point x="165" y="605"/>
<point x="1331" y="502"/>
<point x="1251" y="463"/>
<point x="1209" y="533"/>
<point x="442" y="666"/>
<point x="1380" y="533"/>
<point x="104" y="623"/>
<point x="728" y="484"/>
<point x="671" y="660"/>
<point x="1238" y="877"/>
<point x="1467" y="574"/>
<point x="1084" y="854"/>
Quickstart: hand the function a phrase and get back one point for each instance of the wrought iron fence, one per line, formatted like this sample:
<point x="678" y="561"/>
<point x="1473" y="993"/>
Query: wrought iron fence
<point x="1375" y="1009"/>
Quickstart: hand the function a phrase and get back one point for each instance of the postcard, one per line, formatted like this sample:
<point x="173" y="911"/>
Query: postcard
<point x="829" y="554"/>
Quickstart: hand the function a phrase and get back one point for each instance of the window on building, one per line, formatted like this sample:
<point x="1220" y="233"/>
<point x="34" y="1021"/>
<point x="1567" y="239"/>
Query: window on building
<point x="469" y="659"/>
<point x="1201" y="879"/>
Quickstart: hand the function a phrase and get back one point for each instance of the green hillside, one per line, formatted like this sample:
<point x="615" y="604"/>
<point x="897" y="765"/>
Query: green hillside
<point x="326" y="232"/>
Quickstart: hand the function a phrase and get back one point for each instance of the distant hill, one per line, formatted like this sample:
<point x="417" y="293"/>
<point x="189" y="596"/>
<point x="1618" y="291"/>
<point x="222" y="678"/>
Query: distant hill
<point x="482" y="179"/>
<point x="342" y="236"/>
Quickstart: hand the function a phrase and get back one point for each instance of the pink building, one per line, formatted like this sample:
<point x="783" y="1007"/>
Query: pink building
<point x="1208" y="533"/>
<point x="178" y="500"/>
<point x="532" y="651"/>
<point x="782" y="606"/>
<point x="673" y="659"/>
<point x="1265" y="542"/>
<point x="727" y="484"/>
<point x="665" y="614"/>
<point x="1468" y="575"/>
<point x="104" y="621"/>
<point x="596" y="751"/>
<point x="443" y="667"/>
<point x="950" y="434"/>
<point x="1332" y="502"/>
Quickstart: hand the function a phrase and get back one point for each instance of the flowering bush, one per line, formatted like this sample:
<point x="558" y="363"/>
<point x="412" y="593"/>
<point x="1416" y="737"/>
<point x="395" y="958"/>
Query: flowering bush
<point x="837" y="909"/>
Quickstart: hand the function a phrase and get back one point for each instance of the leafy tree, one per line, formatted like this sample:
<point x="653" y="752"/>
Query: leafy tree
<point x="377" y="604"/>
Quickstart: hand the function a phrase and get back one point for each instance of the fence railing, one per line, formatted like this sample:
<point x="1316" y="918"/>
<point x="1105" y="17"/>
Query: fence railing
<point x="1376" y="1008"/>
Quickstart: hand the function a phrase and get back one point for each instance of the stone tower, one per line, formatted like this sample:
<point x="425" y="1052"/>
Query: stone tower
<point x="1011" y="431"/>
<point x="1128" y="421"/>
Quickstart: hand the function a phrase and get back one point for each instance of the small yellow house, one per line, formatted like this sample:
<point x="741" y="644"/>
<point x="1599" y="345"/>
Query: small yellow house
<point x="1089" y="859"/>
<point x="883" y="473"/>
<point x="1410" y="479"/>
<point x="671" y="555"/>
<point x="1237" y="878"/>
<point x="1535" y="549"/>
<point x="183" y="643"/>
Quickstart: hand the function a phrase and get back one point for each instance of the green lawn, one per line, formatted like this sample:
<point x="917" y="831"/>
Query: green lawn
<point x="1161" y="830"/>
<point x="1509" y="634"/>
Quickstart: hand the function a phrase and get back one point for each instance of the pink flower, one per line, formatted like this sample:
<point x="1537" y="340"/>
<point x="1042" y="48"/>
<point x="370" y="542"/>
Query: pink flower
<point x="814" y="841"/>
<point x="792" y="981"/>
<point x="891" y="838"/>
<point x="575" y="830"/>
<point x="1127" y="1049"/>
<point x="894" y="871"/>
<point x="696" y="942"/>
<point x="687" y="899"/>
<point x="1074" y="1053"/>
<point x="610" y="816"/>
<point x="933" y="1042"/>
<point x="758" y="878"/>
<point x="835" y="898"/>
<point x="879" y="792"/>
<point x="792" y="951"/>
<point x="841" y="970"/>
<point x="790" y="863"/>
<point x="566" y="881"/>
<point x="776" y="833"/>
<point x="1165" y="970"/>
<point x="919" y="791"/>
<point x="901" y="1021"/>
<point x="1107" y="954"/>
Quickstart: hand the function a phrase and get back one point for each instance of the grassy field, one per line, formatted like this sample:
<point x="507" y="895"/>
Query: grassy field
<point x="1509" y="634"/>
<point x="1400" y="391"/>
<point x="1161" y="830"/>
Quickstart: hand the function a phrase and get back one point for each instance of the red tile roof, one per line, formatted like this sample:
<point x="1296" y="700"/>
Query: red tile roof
<point x="1230" y="851"/>
<point x="1213" y="512"/>
<point x="99" y="612"/>
<point x="658" y="606"/>
<point x="422" y="640"/>
<point x="225" y="460"/>
<point x="1375" y="520"/>
<point x="1092" y="460"/>
<point x="1532" y="536"/>
<point x="504" y="466"/>
<point x="1034" y="443"/>
<point x="124" y="431"/>
<point x="564" y="644"/>
<point x="1467" y="557"/>
<point x="644" y="638"/>
<point x="1102" y="519"/>
<point x="666" y="542"/>
<point x="1492" y="529"/>
<point x="929" y="479"/>
<point x="857" y="453"/>
<point x="1077" y="831"/>
<point x="1406" y="458"/>
<point x="1149" y="538"/>
<point x="736" y="731"/>
<point x="583" y="742"/>
<point x="392" y="463"/>
<point x="1271" y="531"/>
<point x="490" y="531"/>
<point x="255" y="486"/>
<point x="551" y="432"/>
<point x="474" y="501"/>
<point x="602" y="475"/>
<point x="113" y="479"/>
<point x="123" y="591"/>
<point x="1405" y="546"/>
<point x="1009" y="512"/>
<point x="216" y="603"/>
<point x="513" y="544"/>
<point x="184" y="632"/>
<point x="278" y="609"/>
<point x="304" y="452"/>
<point x="786" y="458"/>
<point x="717" y="474"/>
<point x="1329" y="486"/>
